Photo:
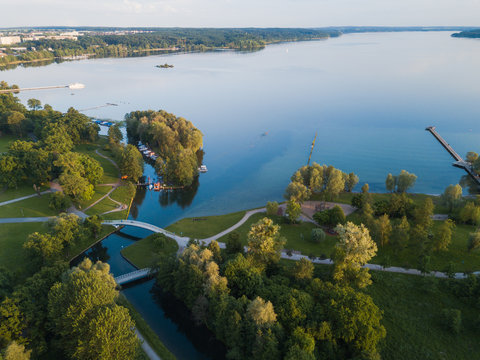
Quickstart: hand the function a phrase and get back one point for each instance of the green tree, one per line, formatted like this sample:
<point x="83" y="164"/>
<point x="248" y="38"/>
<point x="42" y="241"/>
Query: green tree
<point x="423" y="213"/>
<point x="233" y="243"/>
<point x="297" y="192"/>
<point x="303" y="270"/>
<point x="452" y="320"/>
<point x="272" y="208"/>
<point x="131" y="163"/>
<point x="115" y="135"/>
<point x="11" y="322"/>
<point x="15" y="123"/>
<point x="58" y="201"/>
<point x="443" y="235"/>
<point x="471" y="157"/>
<point x="43" y="246"/>
<point x="293" y="210"/>
<point x="34" y="104"/>
<point x="390" y="183"/>
<point x="452" y="195"/>
<point x="244" y="277"/>
<point x="383" y="229"/>
<point x="354" y="249"/>
<point x="474" y="241"/>
<point x="365" y="188"/>
<point x="401" y="235"/>
<point x="405" y="181"/>
<point x="77" y="187"/>
<point x="109" y="335"/>
<point x="264" y="242"/>
<point x="337" y="216"/>
<point x="93" y="225"/>
<point x="351" y="181"/>
<point x="470" y="214"/>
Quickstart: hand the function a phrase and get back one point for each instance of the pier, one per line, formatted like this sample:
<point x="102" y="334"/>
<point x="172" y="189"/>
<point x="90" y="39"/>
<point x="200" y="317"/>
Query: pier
<point x="459" y="161"/>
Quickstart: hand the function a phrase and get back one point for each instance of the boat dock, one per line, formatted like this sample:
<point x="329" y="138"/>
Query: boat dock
<point x="459" y="161"/>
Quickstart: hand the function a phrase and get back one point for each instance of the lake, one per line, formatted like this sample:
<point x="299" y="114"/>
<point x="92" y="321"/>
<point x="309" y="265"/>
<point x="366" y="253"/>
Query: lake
<point x="368" y="96"/>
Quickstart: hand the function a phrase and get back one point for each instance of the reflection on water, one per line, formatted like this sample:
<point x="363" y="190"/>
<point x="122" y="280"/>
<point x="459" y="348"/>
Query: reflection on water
<point x="99" y="253"/>
<point x="183" y="198"/>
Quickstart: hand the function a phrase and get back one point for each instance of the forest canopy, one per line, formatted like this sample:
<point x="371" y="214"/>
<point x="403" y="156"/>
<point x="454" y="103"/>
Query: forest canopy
<point x="176" y="141"/>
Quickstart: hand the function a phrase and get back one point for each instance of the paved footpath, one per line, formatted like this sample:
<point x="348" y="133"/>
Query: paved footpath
<point x="146" y="347"/>
<point x="25" y="197"/>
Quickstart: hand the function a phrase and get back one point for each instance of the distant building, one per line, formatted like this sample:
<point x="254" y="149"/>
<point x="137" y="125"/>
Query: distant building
<point x="9" y="40"/>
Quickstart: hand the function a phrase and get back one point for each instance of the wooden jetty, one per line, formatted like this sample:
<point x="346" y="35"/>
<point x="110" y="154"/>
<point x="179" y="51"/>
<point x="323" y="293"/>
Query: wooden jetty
<point x="459" y="161"/>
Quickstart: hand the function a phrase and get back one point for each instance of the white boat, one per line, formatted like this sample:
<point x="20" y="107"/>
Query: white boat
<point x="150" y="187"/>
<point x="203" y="168"/>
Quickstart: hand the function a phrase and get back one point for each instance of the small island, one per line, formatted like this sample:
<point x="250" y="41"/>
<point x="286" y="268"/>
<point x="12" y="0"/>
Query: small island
<point x="164" y="66"/>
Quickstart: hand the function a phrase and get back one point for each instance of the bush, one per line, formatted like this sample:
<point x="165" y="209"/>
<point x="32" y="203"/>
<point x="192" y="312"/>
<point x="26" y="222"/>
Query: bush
<point x="357" y="201"/>
<point x="272" y="208"/>
<point x="452" y="319"/>
<point x="318" y="235"/>
<point x="337" y="216"/>
<point x="322" y="217"/>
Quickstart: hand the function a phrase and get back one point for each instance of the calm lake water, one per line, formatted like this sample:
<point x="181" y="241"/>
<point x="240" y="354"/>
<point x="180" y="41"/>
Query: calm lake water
<point x="368" y="96"/>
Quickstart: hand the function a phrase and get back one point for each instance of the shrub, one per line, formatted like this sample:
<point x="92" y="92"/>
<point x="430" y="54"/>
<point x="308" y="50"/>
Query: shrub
<point x="272" y="208"/>
<point x="357" y="201"/>
<point x="337" y="216"/>
<point x="452" y="319"/>
<point x="322" y="217"/>
<point x="318" y="235"/>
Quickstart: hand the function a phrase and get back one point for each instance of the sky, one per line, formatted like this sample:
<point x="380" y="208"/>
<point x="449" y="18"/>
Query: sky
<point x="239" y="13"/>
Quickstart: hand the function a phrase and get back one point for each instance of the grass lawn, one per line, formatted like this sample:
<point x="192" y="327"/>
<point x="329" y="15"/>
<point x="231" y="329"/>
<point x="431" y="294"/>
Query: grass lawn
<point x="103" y="206"/>
<point x="118" y="215"/>
<point x="110" y="172"/>
<point x="146" y="331"/>
<point x="205" y="226"/>
<point x="143" y="252"/>
<point x="412" y="307"/>
<point x="10" y="194"/>
<point x="33" y="207"/>
<point x="99" y="192"/>
<point x="123" y="194"/>
<point x="12" y="237"/>
<point x="7" y="140"/>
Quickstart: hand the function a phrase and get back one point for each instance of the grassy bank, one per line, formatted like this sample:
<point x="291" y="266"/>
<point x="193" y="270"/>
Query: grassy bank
<point x="144" y="252"/>
<point x="206" y="226"/>
<point x="146" y="331"/>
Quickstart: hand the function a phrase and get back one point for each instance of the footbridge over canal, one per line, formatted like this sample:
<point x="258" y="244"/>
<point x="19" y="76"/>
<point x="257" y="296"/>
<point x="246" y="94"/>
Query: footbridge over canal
<point x="459" y="161"/>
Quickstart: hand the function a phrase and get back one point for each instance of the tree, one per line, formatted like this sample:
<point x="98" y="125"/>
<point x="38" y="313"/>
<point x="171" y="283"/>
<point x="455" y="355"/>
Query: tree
<point x="390" y="183"/>
<point x="115" y="135"/>
<point x="474" y="241"/>
<point x="383" y="229"/>
<point x="405" y="181"/>
<point x="297" y="192"/>
<point x="272" y="208"/>
<point x="244" y="277"/>
<point x="423" y="213"/>
<point x="34" y="104"/>
<point x="131" y="163"/>
<point x="58" y="201"/>
<point x="471" y="157"/>
<point x="293" y="210"/>
<point x="337" y="216"/>
<point x="443" y="235"/>
<point x="303" y="270"/>
<point x="261" y="312"/>
<point x="367" y="215"/>
<point x="77" y="187"/>
<point x="452" y="195"/>
<point x="470" y="214"/>
<point x="109" y="335"/>
<point x="93" y="225"/>
<point x="65" y="227"/>
<point x="354" y="249"/>
<point x="264" y="242"/>
<point x="43" y="246"/>
<point x="90" y="318"/>
<point x="365" y="188"/>
<point x="317" y="235"/>
<point x="351" y="181"/>
<point x="15" y="123"/>
<point x="11" y="322"/>
<point x="233" y="243"/>
<point x="17" y="351"/>
<point x="401" y="235"/>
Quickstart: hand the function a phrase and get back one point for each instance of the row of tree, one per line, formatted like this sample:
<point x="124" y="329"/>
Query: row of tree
<point x="263" y="310"/>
